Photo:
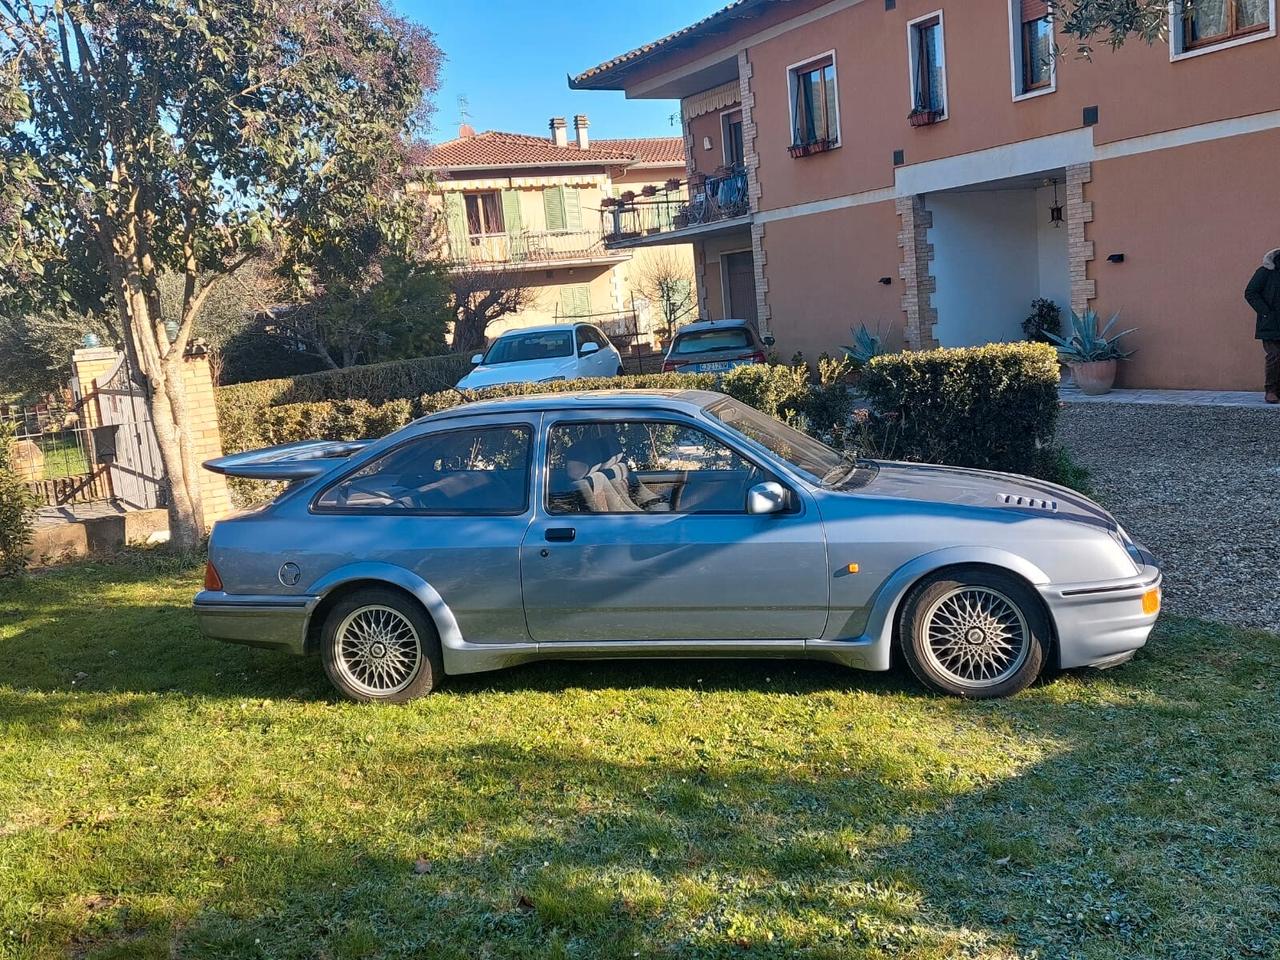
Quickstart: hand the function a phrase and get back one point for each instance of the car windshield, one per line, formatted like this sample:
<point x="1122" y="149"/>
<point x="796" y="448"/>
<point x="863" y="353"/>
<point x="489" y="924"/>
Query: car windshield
<point x="707" y="341"/>
<point x="530" y="346"/>
<point x="815" y="459"/>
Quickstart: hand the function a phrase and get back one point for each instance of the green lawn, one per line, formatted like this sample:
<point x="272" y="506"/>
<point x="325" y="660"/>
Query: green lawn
<point x="161" y="796"/>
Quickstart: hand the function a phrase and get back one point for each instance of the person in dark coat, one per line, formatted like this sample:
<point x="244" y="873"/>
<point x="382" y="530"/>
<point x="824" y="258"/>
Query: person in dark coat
<point x="1263" y="294"/>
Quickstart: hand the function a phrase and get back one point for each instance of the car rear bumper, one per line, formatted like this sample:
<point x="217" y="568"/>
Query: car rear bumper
<point x="276" y="622"/>
<point x="1099" y="624"/>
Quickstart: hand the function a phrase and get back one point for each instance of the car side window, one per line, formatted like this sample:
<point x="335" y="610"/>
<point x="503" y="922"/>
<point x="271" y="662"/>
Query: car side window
<point x="582" y="335"/>
<point x="482" y="471"/>
<point x="644" y="466"/>
<point x="598" y="336"/>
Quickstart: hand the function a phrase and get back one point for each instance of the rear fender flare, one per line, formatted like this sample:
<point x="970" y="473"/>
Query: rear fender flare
<point x="441" y="616"/>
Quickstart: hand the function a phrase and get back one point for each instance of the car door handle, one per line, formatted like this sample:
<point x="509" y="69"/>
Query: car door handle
<point x="560" y="534"/>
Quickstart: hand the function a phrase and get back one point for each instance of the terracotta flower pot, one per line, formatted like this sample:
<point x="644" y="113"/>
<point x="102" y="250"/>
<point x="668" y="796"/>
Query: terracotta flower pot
<point x="1094" y="378"/>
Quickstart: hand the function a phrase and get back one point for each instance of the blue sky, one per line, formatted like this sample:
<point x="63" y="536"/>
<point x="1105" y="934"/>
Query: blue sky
<point x="509" y="59"/>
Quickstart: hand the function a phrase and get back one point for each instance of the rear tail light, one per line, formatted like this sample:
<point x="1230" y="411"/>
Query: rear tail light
<point x="758" y="357"/>
<point x="211" y="579"/>
<point x="669" y="367"/>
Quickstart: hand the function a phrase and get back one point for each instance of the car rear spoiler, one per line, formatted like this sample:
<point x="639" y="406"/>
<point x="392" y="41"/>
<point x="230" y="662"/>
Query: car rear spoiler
<point x="289" y="461"/>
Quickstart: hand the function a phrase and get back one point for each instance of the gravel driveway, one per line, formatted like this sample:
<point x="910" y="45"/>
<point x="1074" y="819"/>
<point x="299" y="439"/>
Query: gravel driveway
<point x="1200" y="486"/>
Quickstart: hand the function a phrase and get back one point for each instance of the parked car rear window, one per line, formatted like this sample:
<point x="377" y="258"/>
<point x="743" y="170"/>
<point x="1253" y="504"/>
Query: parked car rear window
<point x="479" y="471"/>
<point x="705" y="341"/>
<point x="530" y="346"/>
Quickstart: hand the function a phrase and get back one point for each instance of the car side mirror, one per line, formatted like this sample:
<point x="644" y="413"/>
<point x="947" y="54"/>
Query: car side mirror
<point x="769" y="341"/>
<point x="767" y="497"/>
<point x="588" y="348"/>
<point x="477" y="359"/>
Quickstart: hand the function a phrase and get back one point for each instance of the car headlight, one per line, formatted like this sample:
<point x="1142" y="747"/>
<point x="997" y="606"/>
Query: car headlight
<point x="551" y="379"/>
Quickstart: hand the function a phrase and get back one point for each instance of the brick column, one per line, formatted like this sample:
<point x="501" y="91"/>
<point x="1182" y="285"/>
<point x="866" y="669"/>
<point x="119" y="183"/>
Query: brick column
<point x="751" y="160"/>
<point x="919" y="284"/>
<point x="700" y="281"/>
<point x="89" y="365"/>
<point x="1079" y="249"/>
<point x="202" y="411"/>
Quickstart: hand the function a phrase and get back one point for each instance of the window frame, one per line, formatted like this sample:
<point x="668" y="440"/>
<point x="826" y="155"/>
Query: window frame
<point x="807" y="66"/>
<point x="1018" y="55"/>
<point x="914" y="28"/>
<point x="1179" y="49"/>
<point x="531" y="431"/>
<point x="660" y="417"/>
<point x="479" y="196"/>
<point x="727" y="121"/>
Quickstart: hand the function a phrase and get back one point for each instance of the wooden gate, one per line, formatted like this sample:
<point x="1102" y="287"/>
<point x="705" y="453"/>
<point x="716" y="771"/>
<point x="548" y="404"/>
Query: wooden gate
<point x="126" y="442"/>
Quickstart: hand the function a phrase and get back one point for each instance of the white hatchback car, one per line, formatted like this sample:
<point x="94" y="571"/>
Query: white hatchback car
<point x="543" y="354"/>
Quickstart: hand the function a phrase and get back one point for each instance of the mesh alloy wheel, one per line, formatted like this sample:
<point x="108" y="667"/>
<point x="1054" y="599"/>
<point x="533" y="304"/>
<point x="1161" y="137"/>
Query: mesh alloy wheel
<point x="379" y="645"/>
<point x="975" y="636"/>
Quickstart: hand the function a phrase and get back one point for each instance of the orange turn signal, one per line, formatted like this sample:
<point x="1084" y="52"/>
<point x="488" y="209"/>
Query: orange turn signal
<point x="1151" y="601"/>
<point x="211" y="579"/>
<point x="852" y="568"/>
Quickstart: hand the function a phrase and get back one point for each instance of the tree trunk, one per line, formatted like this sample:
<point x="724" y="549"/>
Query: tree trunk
<point x="468" y="332"/>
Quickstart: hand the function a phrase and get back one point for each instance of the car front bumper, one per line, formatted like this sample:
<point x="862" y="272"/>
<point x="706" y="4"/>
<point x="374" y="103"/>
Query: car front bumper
<point x="276" y="622"/>
<point x="1101" y="624"/>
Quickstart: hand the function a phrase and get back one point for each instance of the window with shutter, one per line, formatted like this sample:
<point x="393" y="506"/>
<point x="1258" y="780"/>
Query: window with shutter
<point x="572" y="209"/>
<point x="553" y="204"/>
<point x="575" y="300"/>
<point x="1037" y="45"/>
<point x="1209" y="22"/>
<point x="515" y="224"/>
<point x="928" y="77"/>
<point x="456" y="222"/>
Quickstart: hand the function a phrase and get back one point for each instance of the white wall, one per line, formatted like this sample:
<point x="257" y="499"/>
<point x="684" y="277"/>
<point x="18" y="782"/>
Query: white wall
<point x="994" y="252"/>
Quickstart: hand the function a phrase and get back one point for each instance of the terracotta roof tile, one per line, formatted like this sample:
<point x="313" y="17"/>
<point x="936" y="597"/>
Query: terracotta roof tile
<point x="495" y="148"/>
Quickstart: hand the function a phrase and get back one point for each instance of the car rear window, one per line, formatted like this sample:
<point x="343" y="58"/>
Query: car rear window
<point x="706" y="341"/>
<point x="530" y="346"/>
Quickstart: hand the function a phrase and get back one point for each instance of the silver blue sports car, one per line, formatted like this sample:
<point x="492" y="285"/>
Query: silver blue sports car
<point x="662" y="524"/>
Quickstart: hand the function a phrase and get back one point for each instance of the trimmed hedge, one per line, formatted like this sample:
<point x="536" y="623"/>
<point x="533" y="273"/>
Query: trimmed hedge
<point x="17" y="510"/>
<point x="994" y="407"/>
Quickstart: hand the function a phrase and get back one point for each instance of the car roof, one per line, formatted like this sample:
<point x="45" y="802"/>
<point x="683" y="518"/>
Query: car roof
<point x="683" y="401"/>
<point x="544" y="328"/>
<point x="714" y="325"/>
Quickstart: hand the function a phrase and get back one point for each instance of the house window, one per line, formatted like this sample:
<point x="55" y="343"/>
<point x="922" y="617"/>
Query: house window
<point x="928" y="67"/>
<point x="815" y="119"/>
<point x="1036" y="45"/>
<point x="1210" y="22"/>
<point x="484" y="214"/>
<point x="735" y="153"/>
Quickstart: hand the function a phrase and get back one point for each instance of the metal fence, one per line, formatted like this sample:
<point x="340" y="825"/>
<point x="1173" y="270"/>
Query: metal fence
<point x="55" y="453"/>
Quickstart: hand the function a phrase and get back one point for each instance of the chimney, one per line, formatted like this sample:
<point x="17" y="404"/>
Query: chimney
<point x="559" y="131"/>
<point x="466" y="132"/>
<point x="580" y="130"/>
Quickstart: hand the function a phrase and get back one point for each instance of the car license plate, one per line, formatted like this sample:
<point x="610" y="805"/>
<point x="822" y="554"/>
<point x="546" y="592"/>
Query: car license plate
<point x="719" y="366"/>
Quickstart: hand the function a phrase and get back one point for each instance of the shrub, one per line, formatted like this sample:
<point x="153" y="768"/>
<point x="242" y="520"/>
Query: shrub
<point x="994" y="407"/>
<point x="1045" y="317"/>
<point x="17" y="505"/>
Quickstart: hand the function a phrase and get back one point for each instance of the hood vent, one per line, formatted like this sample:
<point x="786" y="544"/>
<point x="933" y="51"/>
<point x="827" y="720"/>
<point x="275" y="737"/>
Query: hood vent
<point x="1031" y="503"/>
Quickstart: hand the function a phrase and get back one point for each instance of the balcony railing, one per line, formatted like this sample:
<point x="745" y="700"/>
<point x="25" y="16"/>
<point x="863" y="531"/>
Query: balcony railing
<point x="708" y="200"/>
<point x="515" y="249"/>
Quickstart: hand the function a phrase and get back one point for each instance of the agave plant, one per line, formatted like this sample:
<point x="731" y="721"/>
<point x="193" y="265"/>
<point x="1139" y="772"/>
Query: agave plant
<point x="1088" y="344"/>
<point x="866" y="346"/>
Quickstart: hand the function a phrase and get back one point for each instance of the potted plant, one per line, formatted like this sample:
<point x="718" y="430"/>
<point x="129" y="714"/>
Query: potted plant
<point x="649" y="190"/>
<point x="1045" y="317"/>
<point x="924" y="116"/>
<point x="1090" y="353"/>
<point x="628" y="196"/>
<point x="866" y="347"/>
<point x="674" y="184"/>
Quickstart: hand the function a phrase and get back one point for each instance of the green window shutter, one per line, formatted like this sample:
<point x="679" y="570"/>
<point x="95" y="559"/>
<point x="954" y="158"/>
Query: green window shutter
<point x="514" y="224"/>
<point x="572" y="209"/>
<point x="455" y="213"/>
<point x="553" y="201"/>
<point x="575" y="300"/>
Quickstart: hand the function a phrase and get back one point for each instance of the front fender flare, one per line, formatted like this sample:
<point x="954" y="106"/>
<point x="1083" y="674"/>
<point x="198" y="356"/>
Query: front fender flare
<point x="885" y="603"/>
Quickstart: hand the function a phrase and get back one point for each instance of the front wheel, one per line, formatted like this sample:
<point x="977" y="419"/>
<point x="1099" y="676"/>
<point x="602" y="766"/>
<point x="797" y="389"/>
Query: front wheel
<point x="378" y="646"/>
<point x="974" y="633"/>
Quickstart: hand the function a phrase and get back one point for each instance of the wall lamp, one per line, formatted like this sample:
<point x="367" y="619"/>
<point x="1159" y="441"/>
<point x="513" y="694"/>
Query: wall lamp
<point x="1116" y="258"/>
<point x="887" y="281"/>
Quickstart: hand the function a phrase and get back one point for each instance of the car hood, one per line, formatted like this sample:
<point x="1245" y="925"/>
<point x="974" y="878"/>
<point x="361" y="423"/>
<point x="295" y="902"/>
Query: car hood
<point x="984" y="489"/>
<point x="522" y="371"/>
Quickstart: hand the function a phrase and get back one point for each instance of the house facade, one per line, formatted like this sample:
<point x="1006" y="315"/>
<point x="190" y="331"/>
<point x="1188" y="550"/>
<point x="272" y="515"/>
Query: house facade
<point x="528" y="210"/>
<point x="929" y="168"/>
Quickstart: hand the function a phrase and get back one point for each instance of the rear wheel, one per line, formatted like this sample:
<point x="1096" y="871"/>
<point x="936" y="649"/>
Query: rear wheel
<point x="974" y="633"/>
<point x="379" y="646"/>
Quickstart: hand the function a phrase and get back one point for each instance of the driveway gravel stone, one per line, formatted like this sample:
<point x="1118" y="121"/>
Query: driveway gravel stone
<point x="1200" y="486"/>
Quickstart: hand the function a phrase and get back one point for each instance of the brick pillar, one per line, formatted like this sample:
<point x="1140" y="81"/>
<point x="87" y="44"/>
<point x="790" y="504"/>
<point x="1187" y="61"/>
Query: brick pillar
<point x="1079" y="249"/>
<point x="751" y="160"/>
<point x="700" y="280"/>
<point x="919" y="284"/>
<point x="88" y="366"/>
<point x="202" y="413"/>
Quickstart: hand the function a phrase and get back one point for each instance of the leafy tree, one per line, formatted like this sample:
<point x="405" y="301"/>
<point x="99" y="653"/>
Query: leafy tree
<point x="140" y="138"/>
<point x="1111" y="22"/>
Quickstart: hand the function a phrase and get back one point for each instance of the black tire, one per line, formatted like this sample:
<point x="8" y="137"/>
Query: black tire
<point x="395" y="620"/>
<point x="620" y="372"/>
<point x="990" y="635"/>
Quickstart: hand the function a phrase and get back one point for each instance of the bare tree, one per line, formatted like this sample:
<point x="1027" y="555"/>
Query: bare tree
<point x="481" y="296"/>
<point x="666" y="281"/>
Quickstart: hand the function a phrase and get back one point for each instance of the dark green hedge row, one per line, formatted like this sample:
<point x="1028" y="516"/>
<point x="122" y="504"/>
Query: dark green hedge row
<point x="994" y="407"/>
